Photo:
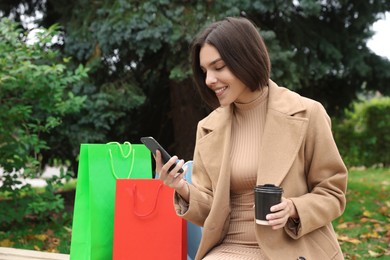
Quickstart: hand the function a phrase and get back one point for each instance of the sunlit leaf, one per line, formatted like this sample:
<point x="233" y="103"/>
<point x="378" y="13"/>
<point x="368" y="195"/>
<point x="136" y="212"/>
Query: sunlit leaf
<point x="367" y="213"/>
<point x="370" y="235"/>
<point x="6" y="243"/>
<point x="41" y="237"/>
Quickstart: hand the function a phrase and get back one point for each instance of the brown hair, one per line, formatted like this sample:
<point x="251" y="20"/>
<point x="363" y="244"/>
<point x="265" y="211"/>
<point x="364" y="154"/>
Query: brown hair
<point x="241" y="48"/>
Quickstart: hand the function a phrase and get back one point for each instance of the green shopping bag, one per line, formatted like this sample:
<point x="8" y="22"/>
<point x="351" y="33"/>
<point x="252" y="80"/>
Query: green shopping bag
<point x="93" y="218"/>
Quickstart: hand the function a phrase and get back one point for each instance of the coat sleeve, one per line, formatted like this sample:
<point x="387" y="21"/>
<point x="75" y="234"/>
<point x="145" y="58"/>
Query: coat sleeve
<point x="201" y="191"/>
<point x="326" y="177"/>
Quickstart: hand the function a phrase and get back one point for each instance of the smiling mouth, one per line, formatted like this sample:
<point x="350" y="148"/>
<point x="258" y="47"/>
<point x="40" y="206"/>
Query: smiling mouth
<point x="220" y="91"/>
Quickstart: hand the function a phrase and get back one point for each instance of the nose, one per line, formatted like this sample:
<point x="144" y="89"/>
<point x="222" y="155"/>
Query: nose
<point x="211" y="79"/>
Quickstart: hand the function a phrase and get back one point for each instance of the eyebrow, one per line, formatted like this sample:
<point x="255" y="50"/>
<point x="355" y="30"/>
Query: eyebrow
<point x="212" y="62"/>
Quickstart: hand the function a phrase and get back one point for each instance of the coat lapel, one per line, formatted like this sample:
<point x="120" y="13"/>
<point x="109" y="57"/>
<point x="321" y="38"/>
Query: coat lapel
<point x="282" y="137"/>
<point x="214" y="146"/>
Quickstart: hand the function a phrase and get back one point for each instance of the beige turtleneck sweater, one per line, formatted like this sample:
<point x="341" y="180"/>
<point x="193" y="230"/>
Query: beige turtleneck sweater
<point x="247" y="128"/>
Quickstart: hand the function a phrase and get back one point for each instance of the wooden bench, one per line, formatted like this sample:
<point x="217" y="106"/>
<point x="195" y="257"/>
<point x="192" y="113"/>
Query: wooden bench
<point x="7" y="253"/>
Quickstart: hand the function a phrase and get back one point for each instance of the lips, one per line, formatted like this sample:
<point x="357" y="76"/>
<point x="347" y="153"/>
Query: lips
<point x="220" y="91"/>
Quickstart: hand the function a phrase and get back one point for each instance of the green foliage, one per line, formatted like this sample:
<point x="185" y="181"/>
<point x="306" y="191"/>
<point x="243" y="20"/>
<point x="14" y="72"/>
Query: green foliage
<point x="363" y="135"/>
<point x="49" y="236"/>
<point x="135" y="51"/>
<point x="140" y="73"/>
<point x="330" y="62"/>
<point x="147" y="42"/>
<point x="34" y="98"/>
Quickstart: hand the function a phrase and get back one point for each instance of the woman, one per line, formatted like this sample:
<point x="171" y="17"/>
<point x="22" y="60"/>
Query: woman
<point x="258" y="133"/>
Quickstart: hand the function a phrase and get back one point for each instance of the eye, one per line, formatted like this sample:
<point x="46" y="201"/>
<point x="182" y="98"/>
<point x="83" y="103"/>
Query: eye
<point x="220" y="67"/>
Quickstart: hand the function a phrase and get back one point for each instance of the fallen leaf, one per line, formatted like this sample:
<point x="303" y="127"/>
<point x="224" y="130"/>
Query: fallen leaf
<point x="370" y="235"/>
<point x="346" y="225"/>
<point x="68" y="229"/>
<point x="343" y="225"/>
<point x="384" y="210"/>
<point x="367" y="213"/>
<point x="55" y="241"/>
<point x="374" y="254"/>
<point x="379" y="228"/>
<point x="6" y="243"/>
<point x="41" y="237"/>
<point x="349" y="239"/>
<point x="50" y="232"/>
<point x="388" y="232"/>
<point x="369" y="220"/>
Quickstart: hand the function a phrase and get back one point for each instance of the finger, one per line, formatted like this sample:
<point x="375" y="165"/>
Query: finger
<point x="168" y="165"/>
<point x="278" y="226"/>
<point x="180" y="175"/>
<point x="279" y="211"/>
<point x="278" y="222"/>
<point x="279" y="207"/>
<point x="276" y="217"/>
<point x="178" y="169"/>
<point x="177" y="183"/>
<point x="159" y="164"/>
<point x="158" y="159"/>
<point x="166" y="168"/>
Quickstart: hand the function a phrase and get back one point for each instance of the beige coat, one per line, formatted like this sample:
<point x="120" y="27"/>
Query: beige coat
<point x="298" y="153"/>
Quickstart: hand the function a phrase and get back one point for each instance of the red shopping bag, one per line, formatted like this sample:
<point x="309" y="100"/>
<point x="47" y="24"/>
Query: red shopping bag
<point x="145" y="224"/>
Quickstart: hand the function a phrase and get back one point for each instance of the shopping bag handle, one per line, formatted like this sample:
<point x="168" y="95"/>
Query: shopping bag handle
<point x="131" y="150"/>
<point x="141" y="215"/>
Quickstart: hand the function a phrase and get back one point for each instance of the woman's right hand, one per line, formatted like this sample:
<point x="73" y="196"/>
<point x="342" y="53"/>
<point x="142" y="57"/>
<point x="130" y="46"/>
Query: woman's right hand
<point x="172" y="178"/>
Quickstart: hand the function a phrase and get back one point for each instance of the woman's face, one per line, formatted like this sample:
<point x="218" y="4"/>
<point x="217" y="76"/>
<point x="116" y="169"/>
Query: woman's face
<point x="227" y="87"/>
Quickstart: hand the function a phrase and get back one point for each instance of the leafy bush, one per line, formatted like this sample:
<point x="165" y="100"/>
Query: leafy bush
<point x="363" y="135"/>
<point x="34" y="97"/>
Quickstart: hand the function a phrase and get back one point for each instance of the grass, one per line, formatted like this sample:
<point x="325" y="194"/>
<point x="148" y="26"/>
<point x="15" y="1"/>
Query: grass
<point x="363" y="230"/>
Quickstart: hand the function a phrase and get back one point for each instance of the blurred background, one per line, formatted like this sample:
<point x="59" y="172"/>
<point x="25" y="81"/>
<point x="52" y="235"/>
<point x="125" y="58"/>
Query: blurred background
<point x="79" y="71"/>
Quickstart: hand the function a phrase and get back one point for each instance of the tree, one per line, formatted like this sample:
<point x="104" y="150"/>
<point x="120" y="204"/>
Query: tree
<point x="332" y="61"/>
<point x="138" y="55"/>
<point x="34" y="97"/>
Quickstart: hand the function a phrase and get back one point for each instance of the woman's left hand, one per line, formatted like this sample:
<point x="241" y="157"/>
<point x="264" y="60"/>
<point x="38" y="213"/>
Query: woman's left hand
<point x="281" y="213"/>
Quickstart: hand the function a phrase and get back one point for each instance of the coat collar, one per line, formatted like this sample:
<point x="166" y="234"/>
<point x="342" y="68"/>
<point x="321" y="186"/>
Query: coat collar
<point x="282" y="137"/>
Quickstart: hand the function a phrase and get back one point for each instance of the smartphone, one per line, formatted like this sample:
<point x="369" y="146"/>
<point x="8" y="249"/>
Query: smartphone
<point x="153" y="145"/>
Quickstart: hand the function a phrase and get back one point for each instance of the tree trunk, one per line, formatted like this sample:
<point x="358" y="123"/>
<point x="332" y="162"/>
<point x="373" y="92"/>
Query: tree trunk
<point x="187" y="109"/>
